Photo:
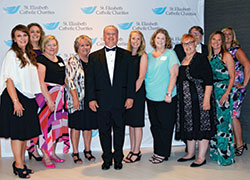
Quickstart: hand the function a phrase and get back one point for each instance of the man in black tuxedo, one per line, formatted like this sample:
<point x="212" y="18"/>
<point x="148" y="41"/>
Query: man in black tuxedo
<point x="110" y="90"/>
<point x="200" y="48"/>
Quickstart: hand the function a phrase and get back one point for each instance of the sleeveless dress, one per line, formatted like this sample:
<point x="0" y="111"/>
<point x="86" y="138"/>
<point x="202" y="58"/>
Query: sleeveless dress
<point x="135" y="115"/>
<point x="221" y="145"/>
<point x="237" y="94"/>
<point x="54" y="125"/>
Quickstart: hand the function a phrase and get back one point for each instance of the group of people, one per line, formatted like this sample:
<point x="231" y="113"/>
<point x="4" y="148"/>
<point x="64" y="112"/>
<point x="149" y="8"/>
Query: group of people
<point x="197" y="87"/>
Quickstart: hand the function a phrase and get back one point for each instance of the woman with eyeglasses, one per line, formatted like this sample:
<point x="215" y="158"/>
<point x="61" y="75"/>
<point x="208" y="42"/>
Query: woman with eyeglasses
<point x="196" y="116"/>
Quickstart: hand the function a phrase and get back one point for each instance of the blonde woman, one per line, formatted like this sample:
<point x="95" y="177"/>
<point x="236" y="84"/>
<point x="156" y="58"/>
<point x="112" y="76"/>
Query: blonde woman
<point x="135" y="115"/>
<point x="242" y="75"/>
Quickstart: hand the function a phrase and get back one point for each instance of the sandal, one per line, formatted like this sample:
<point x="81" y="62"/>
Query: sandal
<point x="127" y="158"/>
<point x="152" y="158"/>
<point x="30" y="171"/>
<point x="88" y="155"/>
<point x="158" y="159"/>
<point x="138" y="157"/>
<point x="22" y="173"/>
<point x="77" y="160"/>
<point x="239" y="151"/>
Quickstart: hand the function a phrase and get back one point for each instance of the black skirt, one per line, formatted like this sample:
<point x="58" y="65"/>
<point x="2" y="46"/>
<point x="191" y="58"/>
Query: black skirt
<point x="19" y="128"/>
<point x="83" y="119"/>
<point x="135" y="115"/>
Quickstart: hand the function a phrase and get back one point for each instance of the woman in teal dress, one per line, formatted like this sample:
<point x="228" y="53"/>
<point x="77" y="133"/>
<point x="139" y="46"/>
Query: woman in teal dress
<point x="222" y="63"/>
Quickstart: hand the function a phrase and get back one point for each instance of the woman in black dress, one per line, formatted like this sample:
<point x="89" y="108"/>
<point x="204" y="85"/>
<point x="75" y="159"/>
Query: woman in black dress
<point x="196" y="116"/>
<point x="81" y="118"/>
<point x="19" y="83"/>
<point x="36" y="37"/>
<point x="135" y="115"/>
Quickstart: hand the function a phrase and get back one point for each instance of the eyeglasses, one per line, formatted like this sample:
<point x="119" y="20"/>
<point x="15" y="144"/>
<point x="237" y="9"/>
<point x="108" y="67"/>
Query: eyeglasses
<point x="188" y="43"/>
<point x="195" y="33"/>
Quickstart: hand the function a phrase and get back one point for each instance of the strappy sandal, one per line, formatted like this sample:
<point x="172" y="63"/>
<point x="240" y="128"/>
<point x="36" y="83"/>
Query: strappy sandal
<point x="30" y="171"/>
<point x="138" y="157"/>
<point x="88" y="155"/>
<point x="22" y="173"/>
<point x="77" y="160"/>
<point x="152" y="158"/>
<point x="127" y="158"/>
<point x="158" y="159"/>
<point x="239" y="151"/>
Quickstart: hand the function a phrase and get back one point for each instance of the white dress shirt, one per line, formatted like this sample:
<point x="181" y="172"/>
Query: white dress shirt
<point x="110" y="57"/>
<point x="198" y="48"/>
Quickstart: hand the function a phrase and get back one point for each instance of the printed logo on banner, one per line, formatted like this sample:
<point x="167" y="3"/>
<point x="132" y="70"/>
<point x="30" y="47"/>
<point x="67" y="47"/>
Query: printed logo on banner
<point x="159" y="10"/>
<point x="11" y="9"/>
<point x="94" y="133"/>
<point x="29" y="10"/>
<point x="125" y="26"/>
<point x="105" y="10"/>
<point x="75" y="26"/>
<point x="174" y="11"/>
<point x="51" y="26"/>
<point x="8" y="43"/>
<point x="93" y="40"/>
<point x="146" y="26"/>
<point x="89" y="10"/>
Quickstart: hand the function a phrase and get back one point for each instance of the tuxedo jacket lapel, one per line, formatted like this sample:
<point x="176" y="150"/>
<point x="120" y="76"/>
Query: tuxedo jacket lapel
<point x="104" y="64"/>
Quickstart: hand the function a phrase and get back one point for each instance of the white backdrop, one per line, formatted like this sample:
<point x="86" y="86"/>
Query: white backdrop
<point x="68" y="19"/>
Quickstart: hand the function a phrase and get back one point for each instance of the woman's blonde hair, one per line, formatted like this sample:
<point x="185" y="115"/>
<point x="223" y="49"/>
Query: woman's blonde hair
<point x="235" y="42"/>
<point x="223" y="46"/>
<point x="47" y="39"/>
<point x="76" y="42"/>
<point x="141" y="49"/>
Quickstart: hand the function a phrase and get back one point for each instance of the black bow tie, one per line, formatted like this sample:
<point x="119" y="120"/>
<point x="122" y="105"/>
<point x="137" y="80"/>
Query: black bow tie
<point x="110" y="49"/>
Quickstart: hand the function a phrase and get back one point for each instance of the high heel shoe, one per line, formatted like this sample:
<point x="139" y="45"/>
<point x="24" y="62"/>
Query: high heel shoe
<point x="20" y="172"/>
<point x="138" y="157"/>
<point x="127" y="158"/>
<point x="36" y="158"/>
<point x="76" y="158"/>
<point x="239" y="151"/>
<point x="57" y="160"/>
<point x="52" y="165"/>
<point x="88" y="155"/>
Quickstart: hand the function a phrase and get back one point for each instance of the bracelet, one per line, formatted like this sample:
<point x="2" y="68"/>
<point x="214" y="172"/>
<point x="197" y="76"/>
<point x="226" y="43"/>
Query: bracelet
<point x="169" y="94"/>
<point x="15" y="100"/>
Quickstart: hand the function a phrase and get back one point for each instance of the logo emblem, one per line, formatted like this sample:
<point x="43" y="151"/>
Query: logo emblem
<point x="88" y="10"/>
<point x="11" y="9"/>
<point x="159" y="11"/>
<point x="8" y="43"/>
<point x="51" y="26"/>
<point x="93" y="40"/>
<point x="125" y="26"/>
<point x="94" y="133"/>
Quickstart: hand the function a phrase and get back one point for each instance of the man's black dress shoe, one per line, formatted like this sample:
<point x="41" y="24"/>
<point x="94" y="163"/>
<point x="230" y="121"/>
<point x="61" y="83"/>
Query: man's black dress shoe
<point x="106" y="165"/>
<point x="184" y="160"/>
<point x="198" y="165"/>
<point x="118" y="165"/>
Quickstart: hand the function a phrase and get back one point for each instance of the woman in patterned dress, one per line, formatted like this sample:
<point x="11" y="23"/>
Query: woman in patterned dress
<point x="222" y="63"/>
<point x="242" y="75"/>
<point x="52" y="111"/>
<point x="196" y="118"/>
<point x="81" y="118"/>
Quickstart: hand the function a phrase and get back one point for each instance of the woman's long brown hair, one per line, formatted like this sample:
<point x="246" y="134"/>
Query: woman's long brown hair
<point x="28" y="49"/>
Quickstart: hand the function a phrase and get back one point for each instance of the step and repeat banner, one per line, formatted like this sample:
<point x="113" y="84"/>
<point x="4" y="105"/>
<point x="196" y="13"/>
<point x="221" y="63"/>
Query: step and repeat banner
<point x="68" y="19"/>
